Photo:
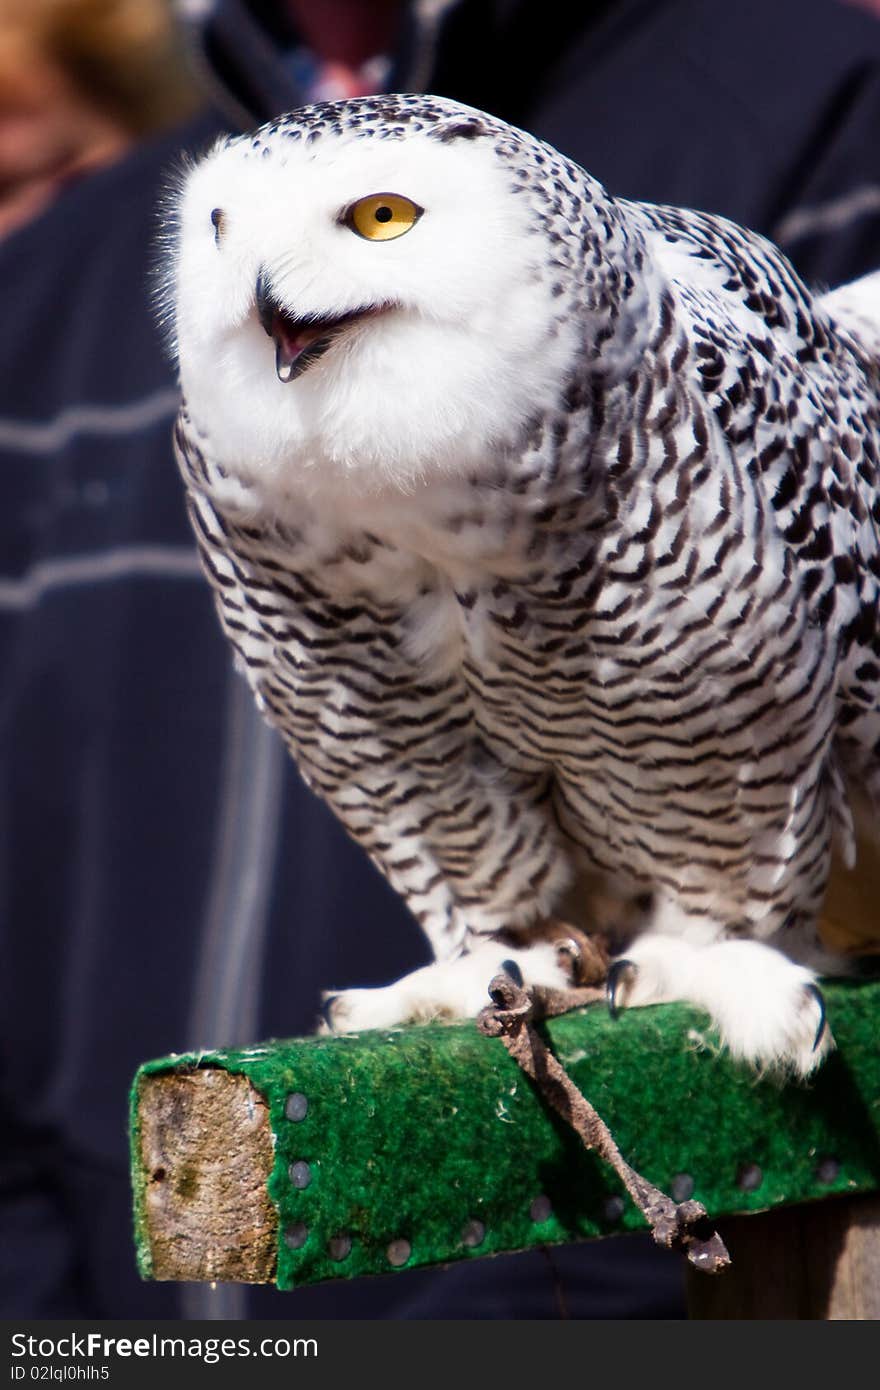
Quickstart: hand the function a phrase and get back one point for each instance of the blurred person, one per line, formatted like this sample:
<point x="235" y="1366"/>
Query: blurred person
<point x="79" y="81"/>
<point x="165" y="879"/>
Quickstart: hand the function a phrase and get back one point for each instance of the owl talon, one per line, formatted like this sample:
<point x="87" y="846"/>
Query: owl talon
<point x="616" y="972"/>
<point x="326" y="1009"/>
<point x="817" y="994"/>
<point x="569" y="955"/>
<point x="511" y="968"/>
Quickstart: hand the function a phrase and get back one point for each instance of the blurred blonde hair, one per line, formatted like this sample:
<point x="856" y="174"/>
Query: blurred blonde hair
<point x="125" y="56"/>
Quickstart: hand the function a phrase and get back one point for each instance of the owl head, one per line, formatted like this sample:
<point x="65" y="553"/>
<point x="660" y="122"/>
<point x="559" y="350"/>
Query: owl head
<point x="380" y="290"/>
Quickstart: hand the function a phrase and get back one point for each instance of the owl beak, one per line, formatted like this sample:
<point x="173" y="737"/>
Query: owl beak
<point x="299" y="342"/>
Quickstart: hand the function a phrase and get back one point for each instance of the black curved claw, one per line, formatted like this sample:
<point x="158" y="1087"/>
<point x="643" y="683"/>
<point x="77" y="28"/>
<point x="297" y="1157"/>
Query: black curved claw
<point x="616" y="972"/>
<point x="820" y="1000"/>
<point x="568" y="957"/>
<point x="326" y="1008"/>
<point x="567" y="945"/>
<point x="511" y="968"/>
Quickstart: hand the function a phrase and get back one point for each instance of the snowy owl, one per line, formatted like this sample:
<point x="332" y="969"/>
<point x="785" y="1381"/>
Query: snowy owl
<point x="544" y="525"/>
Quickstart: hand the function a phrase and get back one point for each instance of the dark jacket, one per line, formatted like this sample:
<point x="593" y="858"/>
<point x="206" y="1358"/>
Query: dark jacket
<point x="165" y="879"/>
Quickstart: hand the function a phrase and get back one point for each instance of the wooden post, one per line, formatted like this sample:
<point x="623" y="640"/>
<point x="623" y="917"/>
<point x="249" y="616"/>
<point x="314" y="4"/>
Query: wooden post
<point x="815" y="1261"/>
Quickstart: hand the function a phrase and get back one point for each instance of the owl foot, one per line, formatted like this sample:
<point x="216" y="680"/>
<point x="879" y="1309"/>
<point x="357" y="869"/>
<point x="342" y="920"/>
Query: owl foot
<point x="768" y="1010"/>
<point x="444" y="990"/>
<point x="583" y="957"/>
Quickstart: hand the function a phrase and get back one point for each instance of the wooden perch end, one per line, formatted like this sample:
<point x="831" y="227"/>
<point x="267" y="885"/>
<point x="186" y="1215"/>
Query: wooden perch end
<point x="206" y="1155"/>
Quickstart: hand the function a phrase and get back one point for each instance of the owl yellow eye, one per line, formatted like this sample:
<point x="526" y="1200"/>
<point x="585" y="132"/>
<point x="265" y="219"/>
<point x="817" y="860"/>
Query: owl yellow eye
<point x="382" y="216"/>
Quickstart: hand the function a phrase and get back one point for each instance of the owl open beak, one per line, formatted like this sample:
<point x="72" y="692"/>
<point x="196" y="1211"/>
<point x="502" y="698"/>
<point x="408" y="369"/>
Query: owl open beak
<point x="299" y="342"/>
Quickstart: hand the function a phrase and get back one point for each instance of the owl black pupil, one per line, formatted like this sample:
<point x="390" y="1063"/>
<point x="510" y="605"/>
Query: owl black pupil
<point x="383" y="214"/>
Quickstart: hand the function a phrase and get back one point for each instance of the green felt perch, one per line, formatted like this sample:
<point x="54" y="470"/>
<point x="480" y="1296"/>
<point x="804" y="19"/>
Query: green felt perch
<point x="332" y="1157"/>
